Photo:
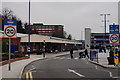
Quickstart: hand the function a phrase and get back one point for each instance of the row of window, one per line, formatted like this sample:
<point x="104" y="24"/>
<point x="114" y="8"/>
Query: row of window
<point x="45" y="27"/>
<point x="46" y="31"/>
<point x="42" y="29"/>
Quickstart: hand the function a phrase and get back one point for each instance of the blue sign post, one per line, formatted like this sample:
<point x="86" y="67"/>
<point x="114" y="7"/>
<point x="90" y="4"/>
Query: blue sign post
<point x="10" y="28"/>
<point x="114" y="39"/>
<point x="10" y="32"/>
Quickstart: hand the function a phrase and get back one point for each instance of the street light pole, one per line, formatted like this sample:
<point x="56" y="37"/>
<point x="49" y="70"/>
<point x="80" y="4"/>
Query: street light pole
<point x="29" y="32"/>
<point x="105" y="24"/>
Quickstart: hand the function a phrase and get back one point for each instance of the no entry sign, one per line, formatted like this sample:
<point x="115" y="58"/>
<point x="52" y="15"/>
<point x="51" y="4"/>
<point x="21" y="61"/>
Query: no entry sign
<point x="10" y="28"/>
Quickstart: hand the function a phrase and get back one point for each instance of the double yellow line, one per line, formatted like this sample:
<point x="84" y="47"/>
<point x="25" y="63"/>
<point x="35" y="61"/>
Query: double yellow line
<point x="29" y="76"/>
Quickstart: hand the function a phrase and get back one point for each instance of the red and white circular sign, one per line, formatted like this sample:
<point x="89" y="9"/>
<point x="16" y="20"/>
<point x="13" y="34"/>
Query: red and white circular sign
<point x="114" y="38"/>
<point x="10" y="31"/>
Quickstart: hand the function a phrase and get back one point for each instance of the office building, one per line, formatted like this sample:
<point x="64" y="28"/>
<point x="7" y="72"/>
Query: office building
<point x="47" y="30"/>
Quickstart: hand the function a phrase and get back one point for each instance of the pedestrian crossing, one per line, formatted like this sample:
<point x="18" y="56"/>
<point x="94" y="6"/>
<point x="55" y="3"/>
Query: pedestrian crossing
<point x="66" y="58"/>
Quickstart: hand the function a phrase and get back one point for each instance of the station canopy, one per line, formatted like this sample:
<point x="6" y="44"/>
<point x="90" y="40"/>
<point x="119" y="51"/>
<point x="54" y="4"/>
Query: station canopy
<point x="41" y="38"/>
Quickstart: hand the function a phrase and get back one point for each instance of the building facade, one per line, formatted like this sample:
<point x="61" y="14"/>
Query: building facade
<point x="47" y="30"/>
<point x="100" y="39"/>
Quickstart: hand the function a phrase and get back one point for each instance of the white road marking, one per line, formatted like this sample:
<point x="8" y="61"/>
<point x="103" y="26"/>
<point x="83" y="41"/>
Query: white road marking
<point x="33" y="67"/>
<point x="96" y="67"/>
<point x="76" y="58"/>
<point x="62" y="58"/>
<point x="56" y="57"/>
<point x="115" y="77"/>
<point x="70" y="70"/>
<point x="110" y="73"/>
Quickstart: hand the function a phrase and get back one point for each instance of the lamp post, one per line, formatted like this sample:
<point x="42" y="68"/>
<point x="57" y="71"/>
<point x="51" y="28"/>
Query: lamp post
<point x="29" y="32"/>
<point x="105" y="24"/>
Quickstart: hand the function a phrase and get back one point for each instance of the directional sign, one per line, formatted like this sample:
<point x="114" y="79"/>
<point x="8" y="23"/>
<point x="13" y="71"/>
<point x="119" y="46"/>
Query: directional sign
<point x="114" y="29"/>
<point x="10" y="28"/>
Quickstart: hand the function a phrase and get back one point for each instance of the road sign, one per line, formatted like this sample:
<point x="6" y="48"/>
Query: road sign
<point x="114" y="38"/>
<point x="114" y="29"/>
<point x="10" y="28"/>
<point x="114" y="34"/>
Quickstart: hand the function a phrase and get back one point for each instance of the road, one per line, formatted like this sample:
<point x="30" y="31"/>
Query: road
<point x="65" y="67"/>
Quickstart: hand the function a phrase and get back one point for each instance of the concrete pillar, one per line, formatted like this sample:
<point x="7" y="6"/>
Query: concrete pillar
<point x="87" y="39"/>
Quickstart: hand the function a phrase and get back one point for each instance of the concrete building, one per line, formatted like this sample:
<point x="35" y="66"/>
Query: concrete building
<point x="47" y="30"/>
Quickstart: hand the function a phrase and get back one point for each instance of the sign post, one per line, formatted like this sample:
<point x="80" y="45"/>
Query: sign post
<point x="114" y="39"/>
<point x="9" y="32"/>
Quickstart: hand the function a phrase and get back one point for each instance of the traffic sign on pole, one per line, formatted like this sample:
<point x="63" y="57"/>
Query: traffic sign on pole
<point x="114" y="39"/>
<point x="10" y="32"/>
<point x="10" y="28"/>
<point x="114" y="34"/>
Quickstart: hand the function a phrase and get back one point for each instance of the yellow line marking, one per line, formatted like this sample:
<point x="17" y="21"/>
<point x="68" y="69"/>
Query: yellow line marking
<point x="27" y="76"/>
<point x="31" y="77"/>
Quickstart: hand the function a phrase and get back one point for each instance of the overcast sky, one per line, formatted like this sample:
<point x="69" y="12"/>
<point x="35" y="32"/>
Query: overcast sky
<point x="75" y="16"/>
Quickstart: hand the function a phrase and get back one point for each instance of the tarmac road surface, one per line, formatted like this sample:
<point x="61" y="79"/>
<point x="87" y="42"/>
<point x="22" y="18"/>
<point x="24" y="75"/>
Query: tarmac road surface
<point x="65" y="67"/>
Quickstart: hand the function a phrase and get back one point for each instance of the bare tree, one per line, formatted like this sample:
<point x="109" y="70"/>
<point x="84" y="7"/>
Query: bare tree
<point x="6" y="12"/>
<point x="70" y="37"/>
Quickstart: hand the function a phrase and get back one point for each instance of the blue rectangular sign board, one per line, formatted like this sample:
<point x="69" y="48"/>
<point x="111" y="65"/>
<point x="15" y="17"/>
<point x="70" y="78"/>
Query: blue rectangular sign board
<point x="114" y="29"/>
<point x="10" y="22"/>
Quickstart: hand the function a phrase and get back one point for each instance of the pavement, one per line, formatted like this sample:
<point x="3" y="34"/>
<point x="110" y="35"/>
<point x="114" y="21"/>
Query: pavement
<point x="102" y="60"/>
<point x="18" y="66"/>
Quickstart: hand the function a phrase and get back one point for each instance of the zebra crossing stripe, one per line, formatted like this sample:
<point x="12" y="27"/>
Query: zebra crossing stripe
<point x="76" y="58"/>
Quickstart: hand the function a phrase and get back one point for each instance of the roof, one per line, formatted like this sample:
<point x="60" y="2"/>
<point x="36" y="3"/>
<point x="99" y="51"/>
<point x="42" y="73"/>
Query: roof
<point x="99" y="33"/>
<point x="41" y="38"/>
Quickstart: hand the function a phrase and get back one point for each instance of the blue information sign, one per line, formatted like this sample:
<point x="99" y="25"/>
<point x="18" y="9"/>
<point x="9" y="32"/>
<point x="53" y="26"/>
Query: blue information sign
<point x="10" y="28"/>
<point x="10" y="22"/>
<point x="114" y="29"/>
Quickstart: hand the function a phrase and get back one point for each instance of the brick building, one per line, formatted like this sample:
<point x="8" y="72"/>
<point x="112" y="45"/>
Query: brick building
<point x="47" y="30"/>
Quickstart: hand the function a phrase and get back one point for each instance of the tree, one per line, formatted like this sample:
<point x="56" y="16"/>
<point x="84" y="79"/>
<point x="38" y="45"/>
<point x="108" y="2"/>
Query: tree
<point x="70" y="37"/>
<point x="7" y="12"/>
<point x="65" y="34"/>
<point x="19" y="26"/>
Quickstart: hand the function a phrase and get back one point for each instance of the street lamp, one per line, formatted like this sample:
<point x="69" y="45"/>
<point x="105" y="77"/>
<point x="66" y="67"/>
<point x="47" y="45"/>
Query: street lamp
<point x="29" y="32"/>
<point x="105" y="22"/>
